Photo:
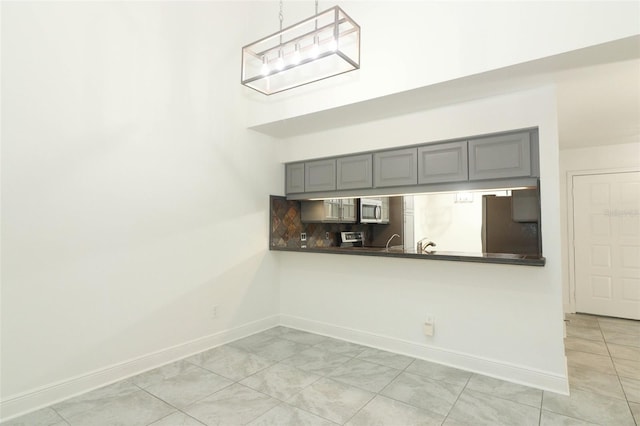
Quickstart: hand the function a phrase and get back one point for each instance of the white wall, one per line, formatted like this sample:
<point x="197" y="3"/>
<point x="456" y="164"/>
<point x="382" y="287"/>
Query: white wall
<point x="422" y="43"/>
<point x="600" y="159"/>
<point x="500" y="320"/>
<point x="453" y="226"/>
<point x="133" y="198"/>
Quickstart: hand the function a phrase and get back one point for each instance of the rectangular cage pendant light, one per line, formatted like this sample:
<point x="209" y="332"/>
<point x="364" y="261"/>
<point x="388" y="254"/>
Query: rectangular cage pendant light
<point x="319" y="47"/>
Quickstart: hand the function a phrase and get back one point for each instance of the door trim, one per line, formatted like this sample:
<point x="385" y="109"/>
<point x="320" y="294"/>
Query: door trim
<point x="571" y="250"/>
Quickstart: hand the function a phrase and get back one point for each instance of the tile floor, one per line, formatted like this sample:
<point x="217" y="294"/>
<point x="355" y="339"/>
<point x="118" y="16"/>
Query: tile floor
<point x="288" y="377"/>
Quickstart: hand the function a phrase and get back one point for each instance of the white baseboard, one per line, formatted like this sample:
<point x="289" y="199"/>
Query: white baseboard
<point x="513" y="373"/>
<point x="23" y="403"/>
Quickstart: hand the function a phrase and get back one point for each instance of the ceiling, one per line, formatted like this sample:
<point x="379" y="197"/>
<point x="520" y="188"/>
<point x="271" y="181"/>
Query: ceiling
<point x="598" y="96"/>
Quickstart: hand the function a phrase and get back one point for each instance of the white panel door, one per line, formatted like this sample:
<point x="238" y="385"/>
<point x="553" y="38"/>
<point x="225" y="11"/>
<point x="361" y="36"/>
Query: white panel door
<point x="606" y="218"/>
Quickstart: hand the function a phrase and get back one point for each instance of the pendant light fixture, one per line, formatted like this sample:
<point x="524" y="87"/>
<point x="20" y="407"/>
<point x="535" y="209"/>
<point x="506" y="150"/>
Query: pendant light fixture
<point x="322" y="46"/>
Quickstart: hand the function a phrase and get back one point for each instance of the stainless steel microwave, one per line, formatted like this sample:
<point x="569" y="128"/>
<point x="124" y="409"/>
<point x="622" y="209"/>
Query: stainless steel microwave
<point x="370" y="210"/>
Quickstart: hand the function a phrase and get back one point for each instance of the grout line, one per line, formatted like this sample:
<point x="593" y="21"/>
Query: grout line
<point x="571" y="417"/>
<point x="456" y="401"/>
<point x="59" y="415"/>
<point x="361" y="408"/>
<point x="540" y="415"/>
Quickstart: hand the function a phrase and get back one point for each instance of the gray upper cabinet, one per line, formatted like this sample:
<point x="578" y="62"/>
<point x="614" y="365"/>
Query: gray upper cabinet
<point x="294" y="178"/>
<point x="446" y="162"/>
<point x="498" y="157"/>
<point x="320" y="175"/>
<point x="507" y="159"/>
<point x="395" y="168"/>
<point x="354" y="172"/>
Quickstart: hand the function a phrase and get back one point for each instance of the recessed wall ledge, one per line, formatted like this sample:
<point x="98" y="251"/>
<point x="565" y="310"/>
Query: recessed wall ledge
<point x="509" y="79"/>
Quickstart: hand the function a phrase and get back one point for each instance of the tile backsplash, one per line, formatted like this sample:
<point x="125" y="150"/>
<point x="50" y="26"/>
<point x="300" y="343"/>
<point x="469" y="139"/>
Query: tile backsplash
<point x="286" y="227"/>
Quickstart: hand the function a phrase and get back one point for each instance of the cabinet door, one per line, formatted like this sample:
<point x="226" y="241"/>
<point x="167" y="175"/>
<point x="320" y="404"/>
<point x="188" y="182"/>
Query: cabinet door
<point x="320" y="211"/>
<point x="320" y="175"/>
<point x="348" y="210"/>
<point x="294" y="178"/>
<point x="500" y="157"/>
<point x="354" y="172"/>
<point x="445" y="162"/>
<point x="332" y="210"/>
<point x="395" y="168"/>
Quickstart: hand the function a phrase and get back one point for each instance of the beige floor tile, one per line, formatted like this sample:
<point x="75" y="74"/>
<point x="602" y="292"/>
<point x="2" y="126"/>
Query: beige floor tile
<point x="587" y="360"/>
<point x="635" y="409"/>
<point x="584" y="332"/>
<point x="586" y="345"/>
<point x="593" y="381"/>
<point x="627" y="368"/>
<point x="619" y="338"/>
<point x="620" y="325"/>
<point x="582" y="320"/>
<point x="631" y="389"/>
<point x="624" y="352"/>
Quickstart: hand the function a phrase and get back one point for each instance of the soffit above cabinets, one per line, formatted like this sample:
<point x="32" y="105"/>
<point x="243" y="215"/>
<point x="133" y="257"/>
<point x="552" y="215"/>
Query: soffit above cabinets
<point x="551" y="70"/>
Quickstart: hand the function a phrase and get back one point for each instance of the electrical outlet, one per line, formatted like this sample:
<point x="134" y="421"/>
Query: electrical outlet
<point x="428" y="329"/>
<point x="326" y="235"/>
<point x="303" y="236"/>
<point x="214" y="312"/>
<point x="429" y="325"/>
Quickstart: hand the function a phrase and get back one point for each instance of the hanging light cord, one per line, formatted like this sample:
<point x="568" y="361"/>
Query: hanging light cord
<point x="281" y="16"/>
<point x="316" y="14"/>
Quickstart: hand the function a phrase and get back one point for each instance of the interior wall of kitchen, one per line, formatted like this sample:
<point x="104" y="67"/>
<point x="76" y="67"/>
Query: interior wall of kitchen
<point x="422" y="43"/>
<point x="500" y="320"/>
<point x="452" y="225"/>
<point x="607" y="158"/>
<point x="134" y="199"/>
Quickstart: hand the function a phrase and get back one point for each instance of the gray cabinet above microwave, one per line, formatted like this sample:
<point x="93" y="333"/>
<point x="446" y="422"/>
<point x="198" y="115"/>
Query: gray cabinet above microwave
<point x="507" y="159"/>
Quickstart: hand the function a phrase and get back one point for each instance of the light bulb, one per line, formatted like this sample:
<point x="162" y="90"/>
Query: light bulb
<point x="315" y="49"/>
<point x="296" y="58"/>
<point x="265" y="67"/>
<point x="280" y="61"/>
<point x="332" y="45"/>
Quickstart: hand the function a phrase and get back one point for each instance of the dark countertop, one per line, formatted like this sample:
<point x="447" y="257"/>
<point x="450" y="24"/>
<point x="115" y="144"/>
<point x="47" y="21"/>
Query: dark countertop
<point x="504" y="258"/>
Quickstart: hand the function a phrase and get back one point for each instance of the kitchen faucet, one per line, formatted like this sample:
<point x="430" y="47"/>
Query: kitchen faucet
<point x="420" y="247"/>
<point x="389" y="240"/>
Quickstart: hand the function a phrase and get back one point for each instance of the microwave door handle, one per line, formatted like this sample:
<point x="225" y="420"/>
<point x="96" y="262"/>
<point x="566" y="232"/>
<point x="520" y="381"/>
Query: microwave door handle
<point x="378" y="212"/>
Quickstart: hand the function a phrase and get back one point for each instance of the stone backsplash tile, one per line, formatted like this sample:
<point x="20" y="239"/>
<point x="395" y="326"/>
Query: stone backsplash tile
<point x="286" y="227"/>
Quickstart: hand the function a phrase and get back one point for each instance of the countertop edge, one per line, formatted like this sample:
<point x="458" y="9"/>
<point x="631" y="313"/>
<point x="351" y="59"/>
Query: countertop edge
<point x="427" y="256"/>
